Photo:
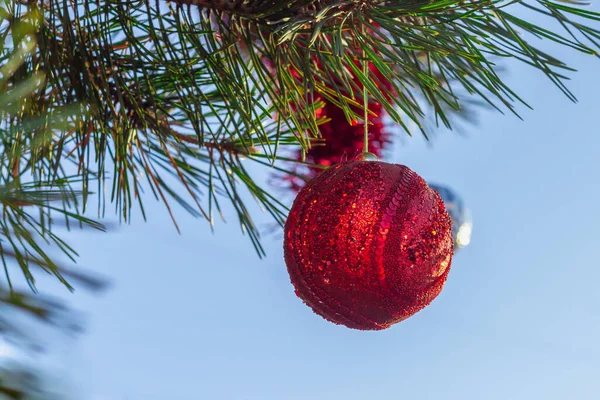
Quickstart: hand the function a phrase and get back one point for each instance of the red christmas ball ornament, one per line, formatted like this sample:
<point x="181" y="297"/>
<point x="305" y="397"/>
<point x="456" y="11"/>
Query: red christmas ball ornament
<point x="368" y="244"/>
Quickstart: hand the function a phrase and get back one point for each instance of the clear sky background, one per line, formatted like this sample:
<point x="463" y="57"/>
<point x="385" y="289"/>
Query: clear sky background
<point x="199" y="316"/>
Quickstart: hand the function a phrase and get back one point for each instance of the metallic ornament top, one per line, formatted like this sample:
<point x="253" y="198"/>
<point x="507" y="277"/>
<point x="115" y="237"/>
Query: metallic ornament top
<point x="368" y="244"/>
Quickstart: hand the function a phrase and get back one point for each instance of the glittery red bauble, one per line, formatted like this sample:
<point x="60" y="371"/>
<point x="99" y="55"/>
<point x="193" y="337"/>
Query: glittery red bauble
<point x="368" y="244"/>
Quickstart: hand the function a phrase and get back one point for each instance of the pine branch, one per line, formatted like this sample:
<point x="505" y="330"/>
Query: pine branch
<point x="239" y="7"/>
<point x="21" y="382"/>
<point x="175" y="99"/>
<point x="34" y="187"/>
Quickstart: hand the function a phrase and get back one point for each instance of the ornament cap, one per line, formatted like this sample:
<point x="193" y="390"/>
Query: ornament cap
<point x="366" y="156"/>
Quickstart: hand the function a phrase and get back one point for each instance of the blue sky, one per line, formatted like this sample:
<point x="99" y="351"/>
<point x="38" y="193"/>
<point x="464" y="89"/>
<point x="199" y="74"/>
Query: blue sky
<point x="199" y="316"/>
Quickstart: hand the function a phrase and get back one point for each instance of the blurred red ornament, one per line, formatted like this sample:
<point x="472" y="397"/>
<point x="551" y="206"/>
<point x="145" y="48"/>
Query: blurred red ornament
<point x="368" y="244"/>
<point x="342" y="139"/>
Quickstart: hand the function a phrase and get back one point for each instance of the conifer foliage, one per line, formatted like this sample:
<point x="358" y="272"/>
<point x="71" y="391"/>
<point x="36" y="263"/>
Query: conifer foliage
<point x="126" y="100"/>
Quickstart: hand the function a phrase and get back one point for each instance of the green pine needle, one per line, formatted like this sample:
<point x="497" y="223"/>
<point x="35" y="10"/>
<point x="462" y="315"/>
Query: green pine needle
<point x="129" y="98"/>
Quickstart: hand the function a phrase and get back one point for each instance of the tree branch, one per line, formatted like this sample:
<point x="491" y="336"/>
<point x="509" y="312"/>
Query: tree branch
<point x="239" y="7"/>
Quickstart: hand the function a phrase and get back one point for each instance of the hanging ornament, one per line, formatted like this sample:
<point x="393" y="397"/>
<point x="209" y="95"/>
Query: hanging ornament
<point x="344" y="139"/>
<point x="341" y="139"/>
<point x="368" y="244"/>
<point x="462" y="225"/>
